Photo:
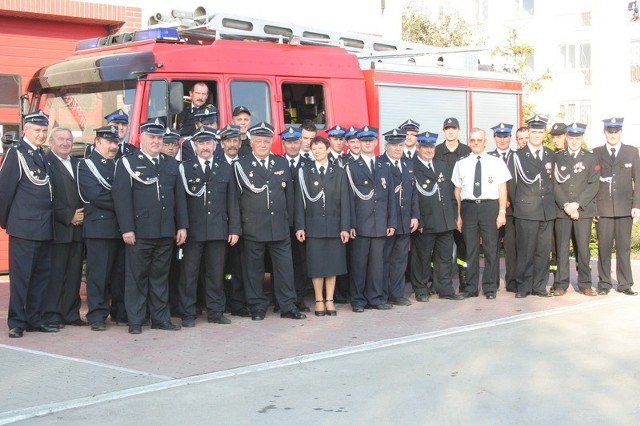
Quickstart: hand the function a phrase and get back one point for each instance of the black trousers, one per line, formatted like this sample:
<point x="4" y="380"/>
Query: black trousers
<point x="29" y="263"/>
<point x="213" y="254"/>
<point x="147" y="274"/>
<point x="63" y="293"/>
<point x="253" y="274"/>
<point x="396" y="253"/>
<point x="508" y="235"/>
<point x="533" y="246"/>
<point x="479" y="222"/>
<point x="236" y="299"/>
<point x="582" y="231"/>
<point x="299" y="256"/>
<point x="103" y="256"/>
<point x="366" y="273"/>
<point x="618" y="229"/>
<point x="436" y="246"/>
<point x="116" y="285"/>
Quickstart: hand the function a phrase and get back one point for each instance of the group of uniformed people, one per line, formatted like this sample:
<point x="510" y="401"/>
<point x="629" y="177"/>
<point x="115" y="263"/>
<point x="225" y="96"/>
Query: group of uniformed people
<point x="166" y="237"/>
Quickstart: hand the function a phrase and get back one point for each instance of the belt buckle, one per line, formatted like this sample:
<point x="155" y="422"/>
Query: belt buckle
<point x="477" y="201"/>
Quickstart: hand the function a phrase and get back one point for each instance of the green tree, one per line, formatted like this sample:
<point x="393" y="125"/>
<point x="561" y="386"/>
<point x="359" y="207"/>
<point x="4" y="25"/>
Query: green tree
<point x="448" y="30"/>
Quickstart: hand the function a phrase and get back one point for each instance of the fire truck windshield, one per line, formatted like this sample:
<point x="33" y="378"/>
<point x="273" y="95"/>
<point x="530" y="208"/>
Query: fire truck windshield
<point x="83" y="108"/>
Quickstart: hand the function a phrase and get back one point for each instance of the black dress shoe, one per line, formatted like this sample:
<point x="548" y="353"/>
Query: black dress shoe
<point x="542" y="293"/>
<point x="78" y="322"/>
<point x="628" y="292"/>
<point x="44" y="328"/>
<point x="453" y="297"/>
<point x="603" y="291"/>
<point x="357" y="309"/>
<point x="521" y="295"/>
<point x="490" y="296"/>
<point x="380" y="307"/>
<point x="422" y="298"/>
<point x="293" y="314"/>
<point x="189" y="322"/>
<point x="302" y="307"/>
<point x="399" y="301"/>
<point x="467" y="294"/>
<point x="243" y="312"/>
<point x="135" y="329"/>
<point x="16" y="332"/>
<point x="257" y="316"/>
<point x="98" y="326"/>
<point x="169" y="326"/>
<point x="219" y="319"/>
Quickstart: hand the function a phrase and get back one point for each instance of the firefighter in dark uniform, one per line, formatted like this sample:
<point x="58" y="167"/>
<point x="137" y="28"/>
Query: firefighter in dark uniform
<point x="351" y="138"/>
<point x="617" y="204"/>
<point x="576" y="181"/>
<point x="534" y="210"/>
<point x="62" y="305"/>
<point x="558" y="134"/>
<point x="152" y="213"/>
<point x="411" y="128"/>
<point x="502" y="138"/>
<point x="480" y="183"/>
<point x="198" y="97"/>
<point x="266" y="207"/>
<point x="450" y="151"/>
<point x="438" y="214"/>
<point x="291" y="143"/>
<point x="205" y="117"/>
<point x="336" y="145"/>
<point x="396" y="249"/>
<point x="120" y="120"/>
<point x="374" y="218"/>
<point x="102" y="236"/>
<point x="214" y="221"/>
<point x="26" y="212"/>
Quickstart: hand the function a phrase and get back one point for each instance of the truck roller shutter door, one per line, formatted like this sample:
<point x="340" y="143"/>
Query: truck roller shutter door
<point x="490" y="109"/>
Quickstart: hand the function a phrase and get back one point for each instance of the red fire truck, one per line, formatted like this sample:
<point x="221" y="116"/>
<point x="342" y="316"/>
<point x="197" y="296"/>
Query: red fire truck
<point x="282" y="73"/>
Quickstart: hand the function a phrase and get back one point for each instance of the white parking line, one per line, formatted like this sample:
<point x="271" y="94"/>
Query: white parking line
<point x="42" y="410"/>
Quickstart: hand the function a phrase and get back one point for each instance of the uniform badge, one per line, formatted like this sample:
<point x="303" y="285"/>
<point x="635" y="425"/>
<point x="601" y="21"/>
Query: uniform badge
<point x="193" y="189"/>
<point x="140" y="156"/>
<point x="477" y="183"/>
<point x="627" y="165"/>
<point x="284" y="184"/>
<point x="563" y="168"/>
<point x="490" y="179"/>
<point x="104" y="161"/>
<point x="316" y="183"/>
<point x="197" y="180"/>
<point x="425" y="185"/>
<point x="253" y="163"/>
<point x="137" y="173"/>
<point x="383" y="182"/>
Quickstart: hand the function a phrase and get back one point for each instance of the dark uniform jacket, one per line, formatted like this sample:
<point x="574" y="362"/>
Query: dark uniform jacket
<point x="532" y="201"/>
<point x="266" y="198"/>
<point x="338" y="161"/>
<point x="619" y="189"/>
<point x="26" y="208"/>
<point x="329" y="215"/>
<point x="99" y="211"/>
<point x="187" y="120"/>
<point x="153" y="210"/>
<point x="403" y="187"/>
<point x="372" y="217"/>
<point x="65" y="199"/>
<point x="438" y="212"/>
<point x="509" y="164"/>
<point x="187" y="153"/>
<point x="215" y="213"/>
<point x="576" y="180"/>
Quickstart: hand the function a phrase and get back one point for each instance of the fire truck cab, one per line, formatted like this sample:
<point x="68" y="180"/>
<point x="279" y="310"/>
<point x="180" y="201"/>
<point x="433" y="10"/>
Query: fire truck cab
<point x="282" y="74"/>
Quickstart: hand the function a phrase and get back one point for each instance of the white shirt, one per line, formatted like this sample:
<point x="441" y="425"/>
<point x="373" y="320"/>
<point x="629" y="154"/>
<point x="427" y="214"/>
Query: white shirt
<point x="533" y="151"/>
<point x="494" y="172"/>
<point x="66" y="163"/>
<point x="616" y="147"/>
<point x="412" y="151"/>
<point x="203" y="165"/>
<point x="296" y="160"/>
<point x="426" y="163"/>
<point x="229" y="159"/>
<point x="367" y="161"/>
<point x="393" y="162"/>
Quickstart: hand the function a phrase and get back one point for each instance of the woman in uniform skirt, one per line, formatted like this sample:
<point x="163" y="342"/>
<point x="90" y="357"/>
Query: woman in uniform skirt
<point x="323" y="220"/>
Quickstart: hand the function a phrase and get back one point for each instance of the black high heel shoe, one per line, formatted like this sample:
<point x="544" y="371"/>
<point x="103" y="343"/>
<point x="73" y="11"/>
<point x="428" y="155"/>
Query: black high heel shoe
<point x="332" y="312"/>
<point x="323" y="311"/>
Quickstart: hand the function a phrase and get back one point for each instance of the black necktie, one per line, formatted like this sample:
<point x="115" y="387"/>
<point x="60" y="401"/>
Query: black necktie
<point x="306" y="154"/>
<point x="429" y="167"/>
<point x="372" y="165"/>
<point x="409" y="155"/>
<point x="39" y="158"/>
<point x="477" y="180"/>
<point x="538" y="155"/>
<point x="321" y="170"/>
<point x="264" y="166"/>
<point x="397" y="164"/>
<point x="292" y="166"/>
<point x="613" y="155"/>
<point x="207" y="169"/>
<point x="504" y="157"/>
<point x="155" y="163"/>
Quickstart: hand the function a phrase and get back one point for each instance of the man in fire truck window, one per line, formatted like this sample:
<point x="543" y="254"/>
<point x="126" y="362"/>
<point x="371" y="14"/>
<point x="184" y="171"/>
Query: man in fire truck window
<point x="241" y="116"/>
<point x="307" y="133"/>
<point x="26" y="212"/>
<point x="199" y="94"/>
<point x="336" y="144"/>
<point x="451" y="151"/>
<point x="411" y="128"/>
<point x="375" y="219"/>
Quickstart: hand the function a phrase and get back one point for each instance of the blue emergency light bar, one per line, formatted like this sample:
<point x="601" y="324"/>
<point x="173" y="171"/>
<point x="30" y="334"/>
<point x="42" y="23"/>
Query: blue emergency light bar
<point x="157" y="34"/>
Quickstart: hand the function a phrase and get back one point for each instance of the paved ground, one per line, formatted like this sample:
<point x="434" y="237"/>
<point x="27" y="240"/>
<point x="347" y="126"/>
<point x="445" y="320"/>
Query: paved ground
<point x="570" y="359"/>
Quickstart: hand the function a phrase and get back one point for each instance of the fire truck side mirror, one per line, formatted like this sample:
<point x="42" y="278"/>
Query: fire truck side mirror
<point x="176" y="96"/>
<point x="9" y="137"/>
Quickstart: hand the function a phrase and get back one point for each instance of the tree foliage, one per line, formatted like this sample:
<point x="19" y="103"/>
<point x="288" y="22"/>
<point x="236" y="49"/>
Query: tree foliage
<point x="447" y="31"/>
